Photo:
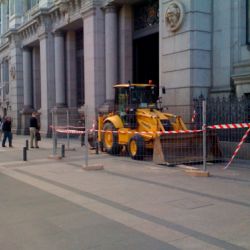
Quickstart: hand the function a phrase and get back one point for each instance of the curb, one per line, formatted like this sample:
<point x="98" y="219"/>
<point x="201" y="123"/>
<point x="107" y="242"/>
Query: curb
<point x="197" y="173"/>
<point x="93" y="167"/>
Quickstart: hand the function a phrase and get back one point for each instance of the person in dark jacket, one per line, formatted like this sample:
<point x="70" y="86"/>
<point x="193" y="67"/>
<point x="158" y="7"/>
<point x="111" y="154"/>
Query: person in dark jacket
<point x="1" y="127"/>
<point x="34" y="128"/>
<point x="7" y="132"/>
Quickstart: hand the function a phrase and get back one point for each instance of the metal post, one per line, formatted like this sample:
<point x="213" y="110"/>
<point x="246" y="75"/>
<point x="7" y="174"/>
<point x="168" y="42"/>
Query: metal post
<point x="97" y="147"/>
<point x="27" y="144"/>
<point x="54" y="133"/>
<point x="204" y="134"/>
<point x="63" y="150"/>
<point x="86" y="136"/>
<point x="24" y="154"/>
<point x="67" y="128"/>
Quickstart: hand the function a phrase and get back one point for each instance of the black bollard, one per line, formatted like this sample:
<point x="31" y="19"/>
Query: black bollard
<point x="97" y="147"/>
<point x="24" y="154"/>
<point x="63" y="150"/>
<point x="27" y="144"/>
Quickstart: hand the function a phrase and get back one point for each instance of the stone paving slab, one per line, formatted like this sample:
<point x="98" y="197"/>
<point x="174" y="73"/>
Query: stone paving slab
<point x="129" y="205"/>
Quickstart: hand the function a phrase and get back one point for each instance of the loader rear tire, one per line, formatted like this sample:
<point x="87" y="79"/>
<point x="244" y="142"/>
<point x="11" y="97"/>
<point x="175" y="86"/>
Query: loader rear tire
<point x="110" y="139"/>
<point x="136" y="147"/>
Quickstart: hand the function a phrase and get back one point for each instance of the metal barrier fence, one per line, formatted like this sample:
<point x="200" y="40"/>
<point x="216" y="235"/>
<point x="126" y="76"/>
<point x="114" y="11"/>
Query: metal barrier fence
<point x="153" y="135"/>
<point x="229" y="110"/>
<point x="67" y="127"/>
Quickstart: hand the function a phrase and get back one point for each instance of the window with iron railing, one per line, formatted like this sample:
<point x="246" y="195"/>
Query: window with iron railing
<point x="29" y="7"/>
<point x="29" y="4"/>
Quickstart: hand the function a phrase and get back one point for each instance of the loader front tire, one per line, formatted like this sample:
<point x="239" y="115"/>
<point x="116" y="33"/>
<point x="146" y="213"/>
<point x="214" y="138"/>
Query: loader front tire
<point x="110" y="139"/>
<point x="136" y="147"/>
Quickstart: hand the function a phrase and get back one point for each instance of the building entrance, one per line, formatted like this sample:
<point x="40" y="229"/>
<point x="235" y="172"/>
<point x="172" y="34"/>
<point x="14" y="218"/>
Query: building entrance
<point x="146" y="59"/>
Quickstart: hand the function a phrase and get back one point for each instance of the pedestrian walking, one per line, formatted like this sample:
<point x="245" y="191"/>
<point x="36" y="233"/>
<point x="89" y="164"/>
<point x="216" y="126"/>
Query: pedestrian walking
<point x="1" y="127"/>
<point x="6" y="128"/>
<point x="81" y="128"/>
<point x="34" y="129"/>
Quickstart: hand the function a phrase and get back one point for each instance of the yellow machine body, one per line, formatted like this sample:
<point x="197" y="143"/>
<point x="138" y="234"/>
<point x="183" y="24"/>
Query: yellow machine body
<point x="143" y="127"/>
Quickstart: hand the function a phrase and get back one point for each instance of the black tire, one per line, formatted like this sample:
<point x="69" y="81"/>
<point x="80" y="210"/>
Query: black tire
<point x="111" y="146"/>
<point x="136" y="147"/>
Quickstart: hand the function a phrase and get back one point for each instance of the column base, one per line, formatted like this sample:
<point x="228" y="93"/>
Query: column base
<point x="107" y="107"/>
<point x="25" y="118"/>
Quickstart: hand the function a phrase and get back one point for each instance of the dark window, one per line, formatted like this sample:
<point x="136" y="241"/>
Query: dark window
<point x="248" y="22"/>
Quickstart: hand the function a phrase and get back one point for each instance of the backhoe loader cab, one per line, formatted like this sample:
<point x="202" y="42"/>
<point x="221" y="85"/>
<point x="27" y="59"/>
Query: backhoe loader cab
<point x="137" y="124"/>
<point x="134" y="96"/>
<point x="131" y="97"/>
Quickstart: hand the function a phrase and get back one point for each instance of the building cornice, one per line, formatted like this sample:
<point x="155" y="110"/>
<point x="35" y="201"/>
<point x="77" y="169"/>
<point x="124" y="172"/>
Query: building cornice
<point x="89" y="7"/>
<point x="242" y="64"/>
<point x="241" y="79"/>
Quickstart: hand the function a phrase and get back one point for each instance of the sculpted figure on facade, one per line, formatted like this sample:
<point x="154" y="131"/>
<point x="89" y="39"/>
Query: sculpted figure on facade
<point x="174" y="15"/>
<point x="13" y="73"/>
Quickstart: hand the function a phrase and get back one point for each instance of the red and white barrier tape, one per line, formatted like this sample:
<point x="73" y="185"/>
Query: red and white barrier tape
<point x="182" y="131"/>
<point x="154" y="132"/>
<point x="219" y="126"/>
<point x="230" y="126"/>
<point x="66" y="127"/>
<point x="238" y="148"/>
<point x="70" y="131"/>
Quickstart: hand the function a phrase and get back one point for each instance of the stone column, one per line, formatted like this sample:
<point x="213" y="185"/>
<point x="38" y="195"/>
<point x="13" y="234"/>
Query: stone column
<point x="15" y="78"/>
<point x="71" y="68"/>
<point x="36" y="78"/>
<point x="47" y="70"/>
<point x="94" y="68"/>
<point x="59" y="70"/>
<point x="2" y="82"/>
<point x="126" y="43"/>
<point x="27" y="80"/>
<point x="27" y="90"/>
<point x="1" y="90"/>
<point x="111" y="53"/>
<point x="71" y="95"/>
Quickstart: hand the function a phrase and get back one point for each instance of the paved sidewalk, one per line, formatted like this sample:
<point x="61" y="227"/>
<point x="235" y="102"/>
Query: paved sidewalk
<point x="55" y="204"/>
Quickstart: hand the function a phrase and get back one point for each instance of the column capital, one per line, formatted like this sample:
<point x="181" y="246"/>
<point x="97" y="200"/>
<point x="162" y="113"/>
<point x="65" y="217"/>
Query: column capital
<point x="58" y="33"/>
<point x="88" y="13"/>
<point x="43" y="36"/>
<point x="110" y="8"/>
<point x="26" y="49"/>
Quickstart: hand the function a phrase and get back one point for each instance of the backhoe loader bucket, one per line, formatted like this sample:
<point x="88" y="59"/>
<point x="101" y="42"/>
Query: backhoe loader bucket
<point x="172" y="149"/>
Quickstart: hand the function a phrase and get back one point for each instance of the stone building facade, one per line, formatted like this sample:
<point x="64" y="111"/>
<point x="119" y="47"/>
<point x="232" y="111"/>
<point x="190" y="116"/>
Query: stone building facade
<point x="63" y="54"/>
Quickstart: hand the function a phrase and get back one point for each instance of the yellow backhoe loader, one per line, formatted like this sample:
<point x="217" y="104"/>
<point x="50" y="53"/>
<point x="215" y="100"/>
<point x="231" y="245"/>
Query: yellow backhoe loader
<point x="137" y="124"/>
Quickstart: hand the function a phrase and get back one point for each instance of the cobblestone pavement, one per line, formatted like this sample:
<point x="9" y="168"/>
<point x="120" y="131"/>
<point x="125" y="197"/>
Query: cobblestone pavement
<point x="56" y="204"/>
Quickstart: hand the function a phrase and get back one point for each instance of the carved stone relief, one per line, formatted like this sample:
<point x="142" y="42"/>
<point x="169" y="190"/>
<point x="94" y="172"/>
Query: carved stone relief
<point x="174" y="15"/>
